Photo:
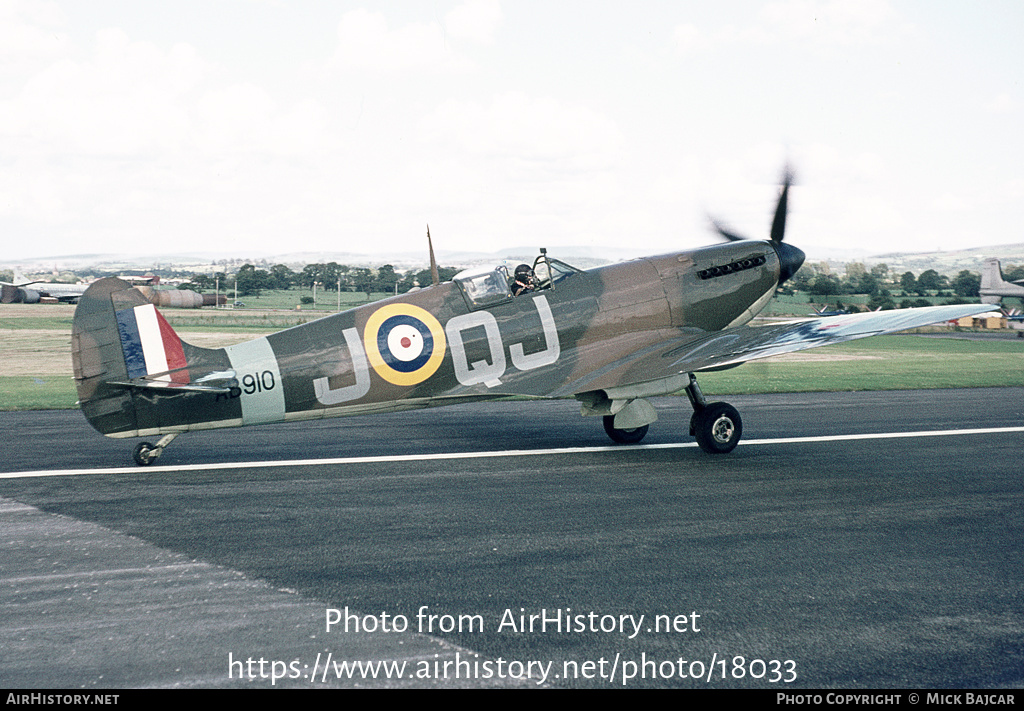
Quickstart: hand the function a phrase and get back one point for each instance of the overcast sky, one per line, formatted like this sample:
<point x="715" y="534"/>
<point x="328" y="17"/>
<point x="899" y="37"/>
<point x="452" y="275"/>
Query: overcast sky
<point x="260" y="126"/>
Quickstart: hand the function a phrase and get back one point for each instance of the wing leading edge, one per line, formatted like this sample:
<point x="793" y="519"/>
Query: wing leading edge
<point x="752" y="343"/>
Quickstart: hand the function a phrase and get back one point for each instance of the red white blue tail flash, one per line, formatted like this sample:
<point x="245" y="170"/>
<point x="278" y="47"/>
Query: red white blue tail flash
<point x="150" y="345"/>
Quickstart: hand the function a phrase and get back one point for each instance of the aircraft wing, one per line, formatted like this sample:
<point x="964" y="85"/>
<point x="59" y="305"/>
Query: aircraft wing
<point x="66" y="297"/>
<point x="691" y="353"/>
<point x="739" y="345"/>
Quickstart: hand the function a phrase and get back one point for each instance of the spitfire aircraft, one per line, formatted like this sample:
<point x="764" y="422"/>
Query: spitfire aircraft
<point x="610" y="337"/>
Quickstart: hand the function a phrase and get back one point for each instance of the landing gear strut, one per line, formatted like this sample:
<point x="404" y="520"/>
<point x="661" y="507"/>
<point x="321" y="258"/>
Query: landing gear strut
<point x="146" y="453"/>
<point x="717" y="425"/>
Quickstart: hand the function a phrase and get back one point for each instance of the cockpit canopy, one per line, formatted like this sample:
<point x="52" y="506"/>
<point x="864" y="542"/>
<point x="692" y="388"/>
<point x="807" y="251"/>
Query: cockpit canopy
<point x="548" y="272"/>
<point x="484" y="286"/>
<point x="490" y="285"/>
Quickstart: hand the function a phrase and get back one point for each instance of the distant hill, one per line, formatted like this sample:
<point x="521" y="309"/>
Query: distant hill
<point x="952" y="262"/>
<point x="583" y="257"/>
<point x="949" y="263"/>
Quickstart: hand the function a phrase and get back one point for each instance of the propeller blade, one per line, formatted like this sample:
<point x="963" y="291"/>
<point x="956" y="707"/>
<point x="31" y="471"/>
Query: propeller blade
<point x="778" y="232"/>
<point x="779" y="223"/>
<point x="731" y="236"/>
<point x="790" y="258"/>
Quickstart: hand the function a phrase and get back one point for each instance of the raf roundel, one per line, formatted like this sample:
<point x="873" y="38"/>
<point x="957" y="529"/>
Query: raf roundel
<point x="404" y="343"/>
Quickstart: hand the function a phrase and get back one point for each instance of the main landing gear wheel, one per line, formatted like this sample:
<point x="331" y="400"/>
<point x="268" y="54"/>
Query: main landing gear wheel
<point x="630" y="436"/>
<point x="717" y="427"/>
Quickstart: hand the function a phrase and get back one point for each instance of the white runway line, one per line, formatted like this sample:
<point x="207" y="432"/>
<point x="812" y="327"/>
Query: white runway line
<point x="499" y="454"/>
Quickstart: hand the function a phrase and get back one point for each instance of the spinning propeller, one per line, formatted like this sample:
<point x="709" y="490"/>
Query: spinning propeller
<point x="790" y="258"/>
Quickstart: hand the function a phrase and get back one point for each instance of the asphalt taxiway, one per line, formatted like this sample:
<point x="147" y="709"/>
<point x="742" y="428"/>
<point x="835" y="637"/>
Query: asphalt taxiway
<point x="852" y="540"/>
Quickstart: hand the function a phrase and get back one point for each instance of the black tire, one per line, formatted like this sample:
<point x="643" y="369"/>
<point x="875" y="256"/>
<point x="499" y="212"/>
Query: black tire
<point x="631" y="436"/>
<point x="718" y="428"/>
<point x="141" y="454"/>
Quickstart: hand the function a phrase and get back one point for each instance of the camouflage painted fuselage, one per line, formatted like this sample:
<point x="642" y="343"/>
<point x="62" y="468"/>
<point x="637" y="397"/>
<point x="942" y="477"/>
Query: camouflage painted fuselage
<point x="588" y="332"/>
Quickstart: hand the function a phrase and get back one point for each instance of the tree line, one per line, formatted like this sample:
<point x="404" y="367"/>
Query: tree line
<point x="816" y="279"/>
<point x="884" y="287"/>
<point x="250" y="280"/>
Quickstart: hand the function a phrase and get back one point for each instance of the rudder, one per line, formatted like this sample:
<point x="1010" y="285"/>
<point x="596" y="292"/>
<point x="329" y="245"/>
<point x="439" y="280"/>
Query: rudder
<point x="98" y="356"/>
<point x="121" y="347"/>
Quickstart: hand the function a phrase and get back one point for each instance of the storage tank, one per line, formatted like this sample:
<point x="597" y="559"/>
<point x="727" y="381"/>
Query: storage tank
<point x="172" y="298"/>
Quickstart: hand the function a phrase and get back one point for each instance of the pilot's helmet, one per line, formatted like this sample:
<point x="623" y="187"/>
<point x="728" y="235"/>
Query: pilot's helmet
<point x="524" y="272"/>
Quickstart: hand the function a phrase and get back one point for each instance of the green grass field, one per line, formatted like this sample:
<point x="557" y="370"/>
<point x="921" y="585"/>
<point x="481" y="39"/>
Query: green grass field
<point x="35" y="367"/>
<point x="31" y="393"/>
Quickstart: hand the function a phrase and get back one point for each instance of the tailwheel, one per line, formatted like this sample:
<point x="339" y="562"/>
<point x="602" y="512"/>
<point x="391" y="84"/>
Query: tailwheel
<point x="717" y="427"/>
<point x="627" y="436"/>
<point x="146" y="453"/>
<point x="143" y="454"/>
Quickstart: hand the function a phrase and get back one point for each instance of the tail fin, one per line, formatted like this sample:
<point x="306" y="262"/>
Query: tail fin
<point x="994" y="287"/>
<point x="992" y="275"/>
<point x="122" y="346"/>
<point x="16" y="293"/>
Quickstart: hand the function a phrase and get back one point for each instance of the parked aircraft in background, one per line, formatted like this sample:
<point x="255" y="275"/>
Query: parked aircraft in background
<point x="28" y="291"/>
<point x="994" y="287"/>
<point x="610" y="337"/>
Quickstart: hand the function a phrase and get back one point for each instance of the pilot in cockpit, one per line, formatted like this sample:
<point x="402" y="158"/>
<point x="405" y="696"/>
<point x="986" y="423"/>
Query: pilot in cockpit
<point x="523" y="282"/>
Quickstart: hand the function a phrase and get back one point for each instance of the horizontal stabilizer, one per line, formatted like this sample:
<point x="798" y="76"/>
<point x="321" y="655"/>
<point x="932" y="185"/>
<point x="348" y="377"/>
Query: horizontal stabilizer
<point x="221" y="381"/>
<point x="169" y="386"/>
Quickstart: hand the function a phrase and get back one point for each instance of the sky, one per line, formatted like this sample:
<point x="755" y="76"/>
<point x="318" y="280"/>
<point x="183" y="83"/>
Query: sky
<point x="261" y="127"/>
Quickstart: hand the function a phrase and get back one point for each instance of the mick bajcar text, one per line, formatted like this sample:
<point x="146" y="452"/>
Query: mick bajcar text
<point x="965" y="698"/>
